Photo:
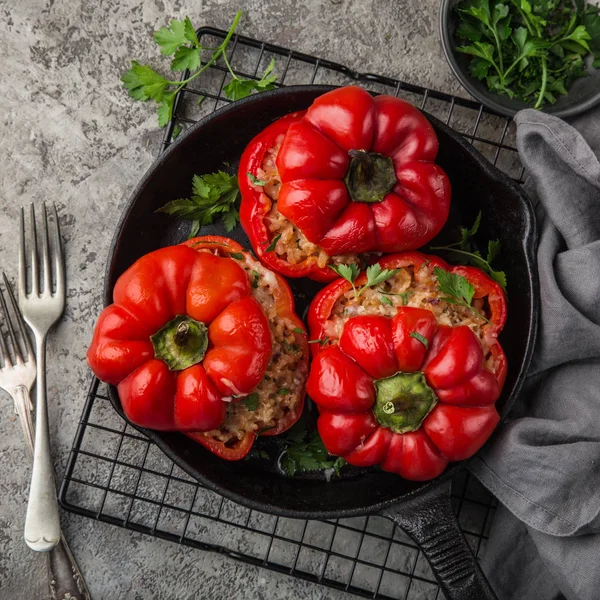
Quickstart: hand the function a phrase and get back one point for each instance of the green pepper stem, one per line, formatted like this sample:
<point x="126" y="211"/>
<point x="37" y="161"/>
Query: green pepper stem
<point x="370" y="176"/>
<point x="181" y="343"/>
<point x="403" y="401"/>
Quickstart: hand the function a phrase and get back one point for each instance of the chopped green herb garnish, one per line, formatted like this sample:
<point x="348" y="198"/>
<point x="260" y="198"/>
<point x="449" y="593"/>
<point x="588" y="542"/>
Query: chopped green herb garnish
<point x="273" y="243"/>
<point x="405" y="295"/>
<point x="254" y="180"/>
<point x="251" y="401"/>
<point x="283" y="391"/>
<point x="236" y="255"/>
<point x="421" y="338"/>
<point x="322" y="341"/>
<point x="386" y="300"/>
<point x="256" y="279"/>
<point x="298" y="330"/>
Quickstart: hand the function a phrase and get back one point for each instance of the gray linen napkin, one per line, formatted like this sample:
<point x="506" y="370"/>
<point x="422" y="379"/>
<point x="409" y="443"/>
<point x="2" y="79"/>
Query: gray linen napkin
<point x="544" y="463"/>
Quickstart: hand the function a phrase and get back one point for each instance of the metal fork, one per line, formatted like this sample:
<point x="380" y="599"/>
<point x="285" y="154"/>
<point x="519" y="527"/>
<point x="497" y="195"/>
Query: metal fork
<point x="16" y="378"/>
<point x="41" y="308"/>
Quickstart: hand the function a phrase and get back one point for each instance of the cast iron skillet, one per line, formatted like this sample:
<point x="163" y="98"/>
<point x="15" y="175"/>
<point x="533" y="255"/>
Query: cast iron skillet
<point x="423" y="510"/>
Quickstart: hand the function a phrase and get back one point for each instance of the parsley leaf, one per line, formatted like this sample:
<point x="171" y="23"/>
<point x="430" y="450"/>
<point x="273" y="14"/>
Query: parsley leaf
<point x="375" y="275"/>
<point x="457" y="289"/>
<point x="347" y="272"/>
<point x="171" y="38"/>
<point x="186" y="58"/>
<point x="386" y="300"/>
<point x="455" y="286"/>
<point x="417" y="336"/>
<point x="144" y="83"/>
<point x="213" y="195"/>
<point x="239" y="88"/>
<point x="251" y="401"/>
<point x="305" y="451"/>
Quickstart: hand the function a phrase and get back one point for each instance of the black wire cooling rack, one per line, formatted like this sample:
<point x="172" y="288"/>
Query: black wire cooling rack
<point x="118" y="476"/>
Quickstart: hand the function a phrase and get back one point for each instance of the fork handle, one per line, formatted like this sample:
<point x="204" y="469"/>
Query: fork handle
<point x="23" y="409"/>
<point x="42" y="524"/>
<point x="66" y="580"/>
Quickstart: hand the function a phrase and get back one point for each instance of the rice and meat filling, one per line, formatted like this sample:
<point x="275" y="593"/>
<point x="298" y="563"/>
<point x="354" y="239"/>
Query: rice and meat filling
<point x="282" y="386"/>
<point x="416" y="288"/>
<point x="292" y="246"/>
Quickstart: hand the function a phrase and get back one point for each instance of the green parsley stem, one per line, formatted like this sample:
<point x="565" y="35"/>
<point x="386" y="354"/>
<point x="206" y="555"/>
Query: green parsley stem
<point x="544" y="82"/>
<point x="229" y="66"/>
<point x="515" y="63"/>
<point x="498" y="47"/>
<point x="472" y="256"/>
<point x="220" y="50"/>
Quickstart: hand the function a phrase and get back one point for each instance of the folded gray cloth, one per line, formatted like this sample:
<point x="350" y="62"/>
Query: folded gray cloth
<point x="544" y="464"/>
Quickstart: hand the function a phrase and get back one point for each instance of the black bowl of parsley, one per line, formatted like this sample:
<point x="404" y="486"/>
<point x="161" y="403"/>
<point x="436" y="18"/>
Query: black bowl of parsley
<point x="515" y="54"/>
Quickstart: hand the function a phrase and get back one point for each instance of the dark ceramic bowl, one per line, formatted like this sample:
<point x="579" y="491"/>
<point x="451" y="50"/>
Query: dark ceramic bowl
<point x="583" y="94"/>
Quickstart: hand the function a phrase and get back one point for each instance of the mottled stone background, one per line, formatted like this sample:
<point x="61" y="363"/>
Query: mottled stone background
<point x="70" y="135"/>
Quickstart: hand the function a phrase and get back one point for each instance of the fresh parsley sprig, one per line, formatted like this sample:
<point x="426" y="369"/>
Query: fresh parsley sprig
<point x="467" y="249"/>
<point x="347" y="272"/>
<point x="213" y="195"/>
<point x="529" y="49"/>
<point x="457" y="290"/>
<point x="375" y="275"/>
<point x="179" y="40"/>
<point x="304" y="451"/>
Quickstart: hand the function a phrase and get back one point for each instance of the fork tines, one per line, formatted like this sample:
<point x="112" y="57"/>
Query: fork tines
<point x="20" y="357"/>
<point x="51" y="254"/>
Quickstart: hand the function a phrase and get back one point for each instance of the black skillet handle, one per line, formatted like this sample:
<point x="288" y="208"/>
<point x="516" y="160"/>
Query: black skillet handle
<point x="430" y="521"/>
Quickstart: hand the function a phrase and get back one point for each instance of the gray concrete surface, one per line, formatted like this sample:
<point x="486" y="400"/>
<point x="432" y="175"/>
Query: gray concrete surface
<point x="70" y="135"/>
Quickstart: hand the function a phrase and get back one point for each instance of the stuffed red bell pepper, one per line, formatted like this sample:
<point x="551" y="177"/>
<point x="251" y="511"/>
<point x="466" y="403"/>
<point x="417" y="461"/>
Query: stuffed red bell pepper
<point x="352" y="174"/>
<point x="202" y="339"/>
<point x="406" y="374"/>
